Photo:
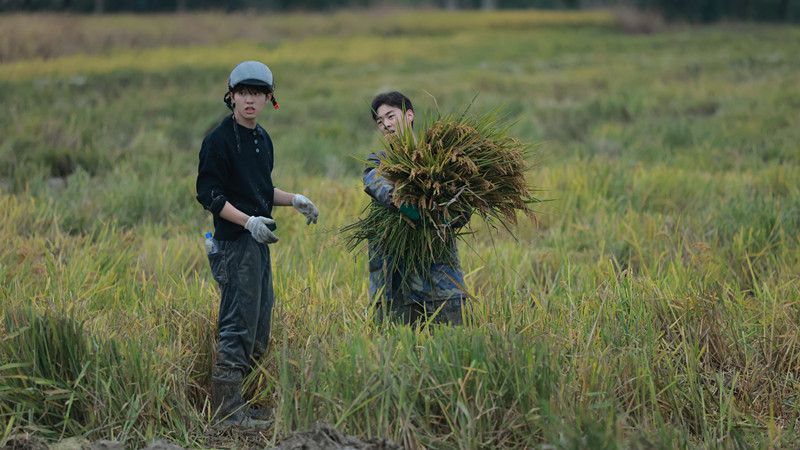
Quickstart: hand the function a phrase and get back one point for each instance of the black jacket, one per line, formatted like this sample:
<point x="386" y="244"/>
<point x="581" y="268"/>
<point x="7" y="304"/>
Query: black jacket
<point x="240" y="174"/>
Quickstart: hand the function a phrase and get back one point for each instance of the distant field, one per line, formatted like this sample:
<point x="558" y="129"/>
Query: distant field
<point x="654" y="304"/>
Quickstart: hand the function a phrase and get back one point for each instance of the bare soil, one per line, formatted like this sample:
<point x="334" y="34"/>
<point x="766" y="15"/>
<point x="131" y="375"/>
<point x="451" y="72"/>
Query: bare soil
<point x="321" y="437"/>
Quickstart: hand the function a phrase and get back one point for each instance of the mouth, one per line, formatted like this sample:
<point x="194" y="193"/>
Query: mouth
<point x="249" y="109"/>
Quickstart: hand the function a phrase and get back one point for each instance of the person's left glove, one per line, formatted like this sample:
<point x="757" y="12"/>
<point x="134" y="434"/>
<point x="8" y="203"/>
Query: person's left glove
<point x="410" y="211"/>
<point x="306" y="208"/>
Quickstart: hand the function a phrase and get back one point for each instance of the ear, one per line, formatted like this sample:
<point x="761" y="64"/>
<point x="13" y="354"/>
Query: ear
<point x="410" y="115"/>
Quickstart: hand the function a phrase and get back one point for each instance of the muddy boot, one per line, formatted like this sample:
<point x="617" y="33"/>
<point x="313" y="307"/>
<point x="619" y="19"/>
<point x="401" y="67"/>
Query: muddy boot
<point x="227" y="404"/>
<point x="259" y="413"/>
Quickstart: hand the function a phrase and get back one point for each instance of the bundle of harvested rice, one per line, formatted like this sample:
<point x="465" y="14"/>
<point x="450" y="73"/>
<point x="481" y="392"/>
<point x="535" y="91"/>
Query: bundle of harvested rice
<point x="459" y="165"/>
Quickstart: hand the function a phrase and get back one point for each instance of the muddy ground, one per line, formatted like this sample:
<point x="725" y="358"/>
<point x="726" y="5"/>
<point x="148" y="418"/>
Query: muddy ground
<point x="321" y="437"/>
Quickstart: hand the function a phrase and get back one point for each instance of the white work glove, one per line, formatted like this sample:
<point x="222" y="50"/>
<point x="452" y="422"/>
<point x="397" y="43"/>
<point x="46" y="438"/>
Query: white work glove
<point x="306" y="208"/>
<point x="258" y="228"/>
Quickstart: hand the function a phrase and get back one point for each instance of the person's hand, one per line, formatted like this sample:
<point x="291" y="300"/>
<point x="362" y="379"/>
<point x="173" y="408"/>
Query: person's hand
<point x="258" y="228"/>
<point x="410" y="211"/>
<point x="306" y="208"/>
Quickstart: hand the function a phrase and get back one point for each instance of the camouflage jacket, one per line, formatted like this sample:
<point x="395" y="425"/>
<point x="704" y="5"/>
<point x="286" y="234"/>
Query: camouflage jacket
<point x="445" y="281"/>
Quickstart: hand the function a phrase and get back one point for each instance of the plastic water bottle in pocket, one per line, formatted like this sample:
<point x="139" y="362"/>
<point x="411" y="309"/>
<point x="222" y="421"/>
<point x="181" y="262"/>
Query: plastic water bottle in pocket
<point x="211" y="246"/>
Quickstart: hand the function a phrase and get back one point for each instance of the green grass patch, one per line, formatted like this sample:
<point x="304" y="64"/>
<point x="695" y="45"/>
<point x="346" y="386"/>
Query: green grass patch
<point x="653" y="304"/>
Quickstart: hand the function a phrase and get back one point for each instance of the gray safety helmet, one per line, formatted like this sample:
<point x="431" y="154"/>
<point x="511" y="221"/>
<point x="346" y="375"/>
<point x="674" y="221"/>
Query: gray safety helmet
<point x="252" y="73"/>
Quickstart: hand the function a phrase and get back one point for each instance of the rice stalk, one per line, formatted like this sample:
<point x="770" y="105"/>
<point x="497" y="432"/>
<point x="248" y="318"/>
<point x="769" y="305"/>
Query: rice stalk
<point x="69" y="382"/>
<point x="459" y="165"/>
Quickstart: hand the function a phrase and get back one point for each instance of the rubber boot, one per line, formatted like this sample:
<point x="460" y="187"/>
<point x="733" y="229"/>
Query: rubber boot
<point x="228" y="406"/>
<point x="259" y="414"/>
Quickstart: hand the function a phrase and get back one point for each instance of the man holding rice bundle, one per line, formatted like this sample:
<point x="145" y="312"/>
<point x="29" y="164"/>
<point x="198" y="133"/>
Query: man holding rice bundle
<point x="435" y="292"/>
<point x="425" y="188"/>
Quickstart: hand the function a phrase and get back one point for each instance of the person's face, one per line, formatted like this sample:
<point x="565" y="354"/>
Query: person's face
<point x="248" y="104"/>
<point x="391" y="119"/>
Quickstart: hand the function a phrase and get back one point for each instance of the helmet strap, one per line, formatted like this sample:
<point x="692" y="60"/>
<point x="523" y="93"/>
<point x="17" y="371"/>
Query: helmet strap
<point x="236" y="132"/>
<point x="227" y="100"/>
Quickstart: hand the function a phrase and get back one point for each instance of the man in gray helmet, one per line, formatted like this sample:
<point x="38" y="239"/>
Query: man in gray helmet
<point x="234" y="183"/>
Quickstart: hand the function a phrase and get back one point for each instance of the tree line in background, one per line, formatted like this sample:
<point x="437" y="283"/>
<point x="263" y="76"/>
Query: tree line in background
<point x="672" y="10"/>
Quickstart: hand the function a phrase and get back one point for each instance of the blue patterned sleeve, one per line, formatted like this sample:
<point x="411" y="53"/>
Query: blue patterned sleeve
<point x="375" y="185"/>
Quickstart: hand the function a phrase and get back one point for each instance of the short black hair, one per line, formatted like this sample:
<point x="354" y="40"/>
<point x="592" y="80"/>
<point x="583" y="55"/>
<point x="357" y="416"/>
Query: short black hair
<point x="228" y="98"/>
<point x="394" y="99"/>
<point x="252" y="88"/>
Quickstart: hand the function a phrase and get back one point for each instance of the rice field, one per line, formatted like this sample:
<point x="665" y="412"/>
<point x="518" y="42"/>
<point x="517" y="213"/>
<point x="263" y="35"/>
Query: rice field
<point x="654" y="303"/>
